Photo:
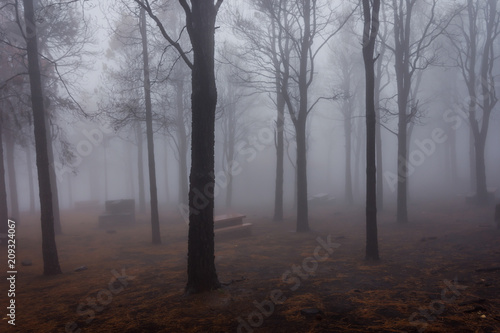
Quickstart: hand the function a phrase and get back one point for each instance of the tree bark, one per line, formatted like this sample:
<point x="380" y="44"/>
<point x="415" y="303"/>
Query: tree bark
<point x="49" y="249"/>
<point x="371" y="24"/>
<point x="155" y="220"/>
<point x="200" y="22"/>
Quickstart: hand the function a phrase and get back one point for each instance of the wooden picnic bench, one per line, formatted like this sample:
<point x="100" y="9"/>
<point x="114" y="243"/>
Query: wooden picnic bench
<point x="117" y="213"/>
<point x="231" y="226"/>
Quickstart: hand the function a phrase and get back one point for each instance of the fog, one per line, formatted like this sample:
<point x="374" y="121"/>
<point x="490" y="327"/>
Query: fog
<point x="134" y="128"/>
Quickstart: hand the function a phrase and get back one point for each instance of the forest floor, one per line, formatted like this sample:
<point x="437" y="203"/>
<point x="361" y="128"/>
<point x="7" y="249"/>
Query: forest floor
<point x="438" y="273"/>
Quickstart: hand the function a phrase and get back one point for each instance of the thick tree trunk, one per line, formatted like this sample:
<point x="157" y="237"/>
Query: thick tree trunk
<point x="49" y="249"/>
<point x="155" y="220"/>
<point x="4" y="213"/>
<point x="202" y="275"/>
<point x="280" y="152"/>
<point x="11" y="171"/>
<point x="140" y="167"/>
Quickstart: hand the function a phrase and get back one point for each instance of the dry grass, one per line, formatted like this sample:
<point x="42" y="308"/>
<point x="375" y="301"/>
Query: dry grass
<point x="440" y="243"/>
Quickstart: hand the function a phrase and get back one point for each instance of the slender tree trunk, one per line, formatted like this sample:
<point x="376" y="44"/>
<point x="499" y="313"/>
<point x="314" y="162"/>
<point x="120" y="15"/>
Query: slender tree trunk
<point x="371" y="25"/>
<point x="105" y="150"/>
<point x="358" y="151"/>
<point x="378" y="145"/>
<point x="229" y="189"/>
<point x="155" y="220"/>
<point x="30" y="179"/>
<point x="231" y="138"/>
<point x="140" y="167"/>
<point x="202" y="275"/>
<point x="402" y="210"/>
<point x="472" y="163"/>
<point x="183" y="144"/>
<point x="70" y="191"/>
<point x="302" y="204"/>
<point x="481" y="190"/>
<point x="49" y="249"/>
<point x="165" y="171"/>
<point x="4" y="213"/>
<point x="453" y="157"/>
<point x="53" y="179"/>
<point x="14" y="203"/>
<point x="348" y="152"/>
<point x="280" y="147"/>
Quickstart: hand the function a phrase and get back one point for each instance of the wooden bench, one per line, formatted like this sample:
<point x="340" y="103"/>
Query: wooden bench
<point x="231" y="226"/>
<point x="117" y="213"/>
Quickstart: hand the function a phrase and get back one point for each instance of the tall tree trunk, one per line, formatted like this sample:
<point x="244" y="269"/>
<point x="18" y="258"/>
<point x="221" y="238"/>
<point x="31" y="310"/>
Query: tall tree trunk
<point x="105" y="151"/>
<point x="280" y="147"/>
<point x="70" y="192"/>
<point x="202" y="275"/>
<point x="165" y="171"/>
<point x="378" y="141"/>
<point x="30" y="179"/>
<point x="402" y="210"/>
<point x="182" y="143"/>
<point x="302" y="204"/>
<point x="348" y="152"/>
<point x="481" y="189"/>
<point x="49" y="248"/>
<point x="140" y="167"/>
<point x="371" y="25"/>
<point x="472" y="163"/>
<point x="155" y="220"/>
<point x="53" y="179"/>
<point x="14" y="203"/>
<point x="230" y="140"/>
<point x="4" y="212"/>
